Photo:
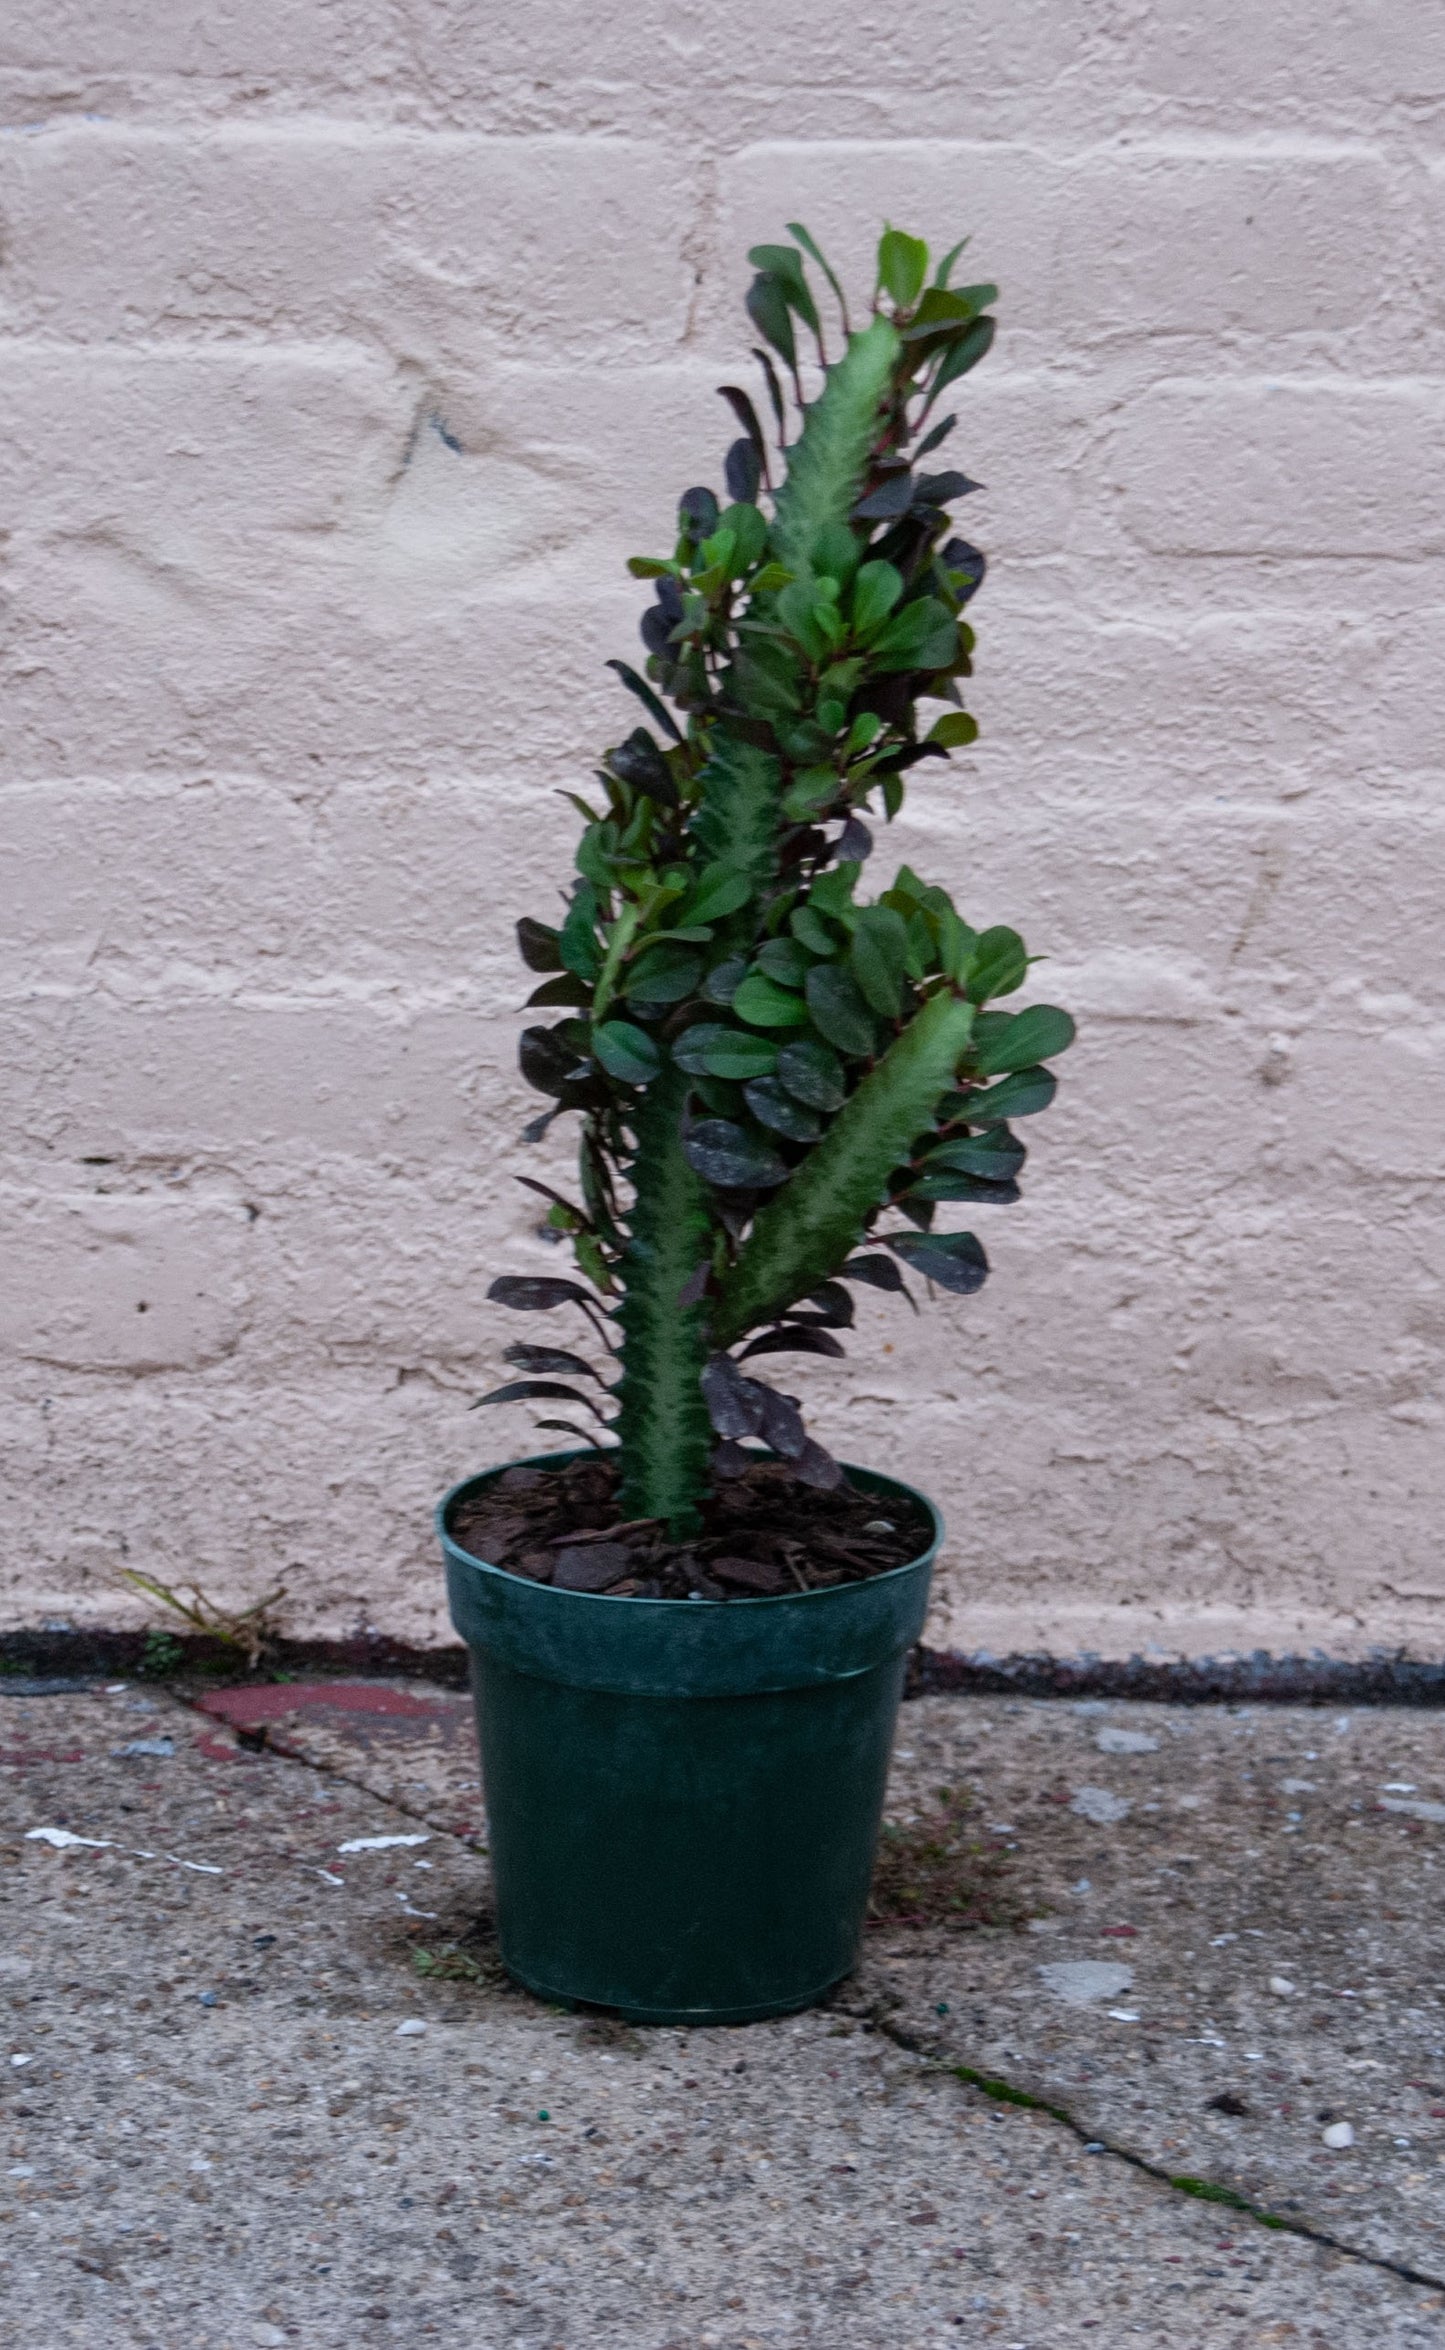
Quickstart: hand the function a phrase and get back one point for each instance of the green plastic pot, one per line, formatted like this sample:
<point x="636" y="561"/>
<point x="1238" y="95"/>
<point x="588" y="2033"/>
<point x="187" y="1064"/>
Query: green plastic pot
<point x="683" y="1796"/>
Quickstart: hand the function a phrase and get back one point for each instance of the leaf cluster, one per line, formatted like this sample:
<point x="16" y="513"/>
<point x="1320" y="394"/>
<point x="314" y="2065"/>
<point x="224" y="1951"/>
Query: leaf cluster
<point x="820" y="1065"/>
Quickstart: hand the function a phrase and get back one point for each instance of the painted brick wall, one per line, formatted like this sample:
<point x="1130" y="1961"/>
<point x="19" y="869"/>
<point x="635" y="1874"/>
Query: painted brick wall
<point x="347" y="352"/>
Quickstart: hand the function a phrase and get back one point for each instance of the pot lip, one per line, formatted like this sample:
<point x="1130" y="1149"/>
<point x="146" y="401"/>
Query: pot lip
<point x="556" y="1460"/>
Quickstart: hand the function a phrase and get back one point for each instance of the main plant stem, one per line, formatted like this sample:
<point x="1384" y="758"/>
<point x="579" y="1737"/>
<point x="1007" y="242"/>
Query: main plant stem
<point x="662" y="1422"/>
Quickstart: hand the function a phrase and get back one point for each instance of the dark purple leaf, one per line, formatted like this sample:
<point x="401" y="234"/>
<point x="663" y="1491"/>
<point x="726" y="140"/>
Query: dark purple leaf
<point x="694" y="1287"/>
<point x="538" y="1293"/>
<point x="538" y="1359"/>
<point x="854" y="842"/>
<point x="774" y="1107"/>
<point x="794" y="1338"/>
<point x="814" y="1466"/>
<point x="545" y="1191"/>
<point x="954" y="1260"/>
<point x="566" y="1428"/>
<point x="639" y="762"/>
<point x="698" y="509"/>
<point x="775" y="394"/>
<point x="639" y="686"/>
<point x="959" y="557"/>
<point x="940" y="489"/>
<point x="545" y="1061"/>
<point x="731" y="1460"/>
<point x="735" y="1404"/>
<point x="878" y="1272"/>
<point x="731" y="1157"/>
<point x="566" y="988"/>
<point x="747" y="417"/>
<point x="656" y="629"/>
<point x="536" y="1128"/>
<point x="538" y="944"/>
<point x="834" y="1306"/>
<point x="892" y="497"/>
<point x="742" y="473"/>
<point x="539" y="1391"/>
<point x="782" y="1426"/>
<point x="932" y="440"/>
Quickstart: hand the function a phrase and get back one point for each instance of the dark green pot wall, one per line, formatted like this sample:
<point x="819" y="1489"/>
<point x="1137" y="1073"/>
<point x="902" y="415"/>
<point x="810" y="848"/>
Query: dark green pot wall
<point x="683" y="1796"/>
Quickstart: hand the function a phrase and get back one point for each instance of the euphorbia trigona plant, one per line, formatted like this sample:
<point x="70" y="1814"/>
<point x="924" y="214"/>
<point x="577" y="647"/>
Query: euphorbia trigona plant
<point x="772" y="1069"/>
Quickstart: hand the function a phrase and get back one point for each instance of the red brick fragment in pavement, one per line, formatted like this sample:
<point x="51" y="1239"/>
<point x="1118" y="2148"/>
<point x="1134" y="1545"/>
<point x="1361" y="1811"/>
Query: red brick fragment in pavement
<point x="268" y="1701"/>
<point x="416" y="1747"/>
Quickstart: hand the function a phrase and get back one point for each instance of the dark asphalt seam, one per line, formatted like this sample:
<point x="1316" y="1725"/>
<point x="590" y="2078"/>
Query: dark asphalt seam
<point x="1199" y="2190"/>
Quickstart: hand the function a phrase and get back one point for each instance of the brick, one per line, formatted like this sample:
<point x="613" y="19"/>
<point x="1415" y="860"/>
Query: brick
<point x="1202" y="243"/>
<point x="129" y="1285"/>
<point x="226" y="1080"/>
<point x="415" y="242"/>
<point x="1300" y="469"/>
<point x="1296" y="58"/>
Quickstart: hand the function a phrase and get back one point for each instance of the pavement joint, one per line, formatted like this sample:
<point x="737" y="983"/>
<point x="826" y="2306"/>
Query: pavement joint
<point x="1199" y="2190"/>
<point x="992" y="2085"/>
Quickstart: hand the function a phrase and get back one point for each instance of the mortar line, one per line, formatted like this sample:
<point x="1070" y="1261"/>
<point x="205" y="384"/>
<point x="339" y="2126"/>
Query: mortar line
<point x="990" y="2085"/>
<point x="1181" y="2182"/>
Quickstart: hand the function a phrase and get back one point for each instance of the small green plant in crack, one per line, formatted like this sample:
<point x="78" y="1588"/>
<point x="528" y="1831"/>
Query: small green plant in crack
<point x="936" y="1871"/>
<point x="161" y="1657"/>
<point x="449" y="1965"/>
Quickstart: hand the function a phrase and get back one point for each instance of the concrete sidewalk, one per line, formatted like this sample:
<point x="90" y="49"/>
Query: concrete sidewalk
<point x="239" y="2113"/>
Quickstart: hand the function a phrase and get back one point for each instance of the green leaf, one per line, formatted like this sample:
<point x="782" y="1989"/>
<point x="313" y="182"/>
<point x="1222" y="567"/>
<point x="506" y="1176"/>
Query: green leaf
<point x="796" y="229"/>
<point x="1021" y="1096"/>
<point x="944" y="270"/>
<point x="724" y="979"/>
<point x="995" y="1154"/>
<point x="810" y="792"/>
<point x="649" y="567"/>
<point x="783" y="263"/>
<point x="626" y="1053"/>
<point x="955" y="730"/>
<point x="577" y="942"/>
<point x="800" y="1238"/>
<point x="766" y="1005"/>
<point x="767" y="303"/>
<point x="924" y="635"/>
<point x="812" y="932"/>
<point x="827" y="463"/>
<point x="999" y="964"/>
<point x="839" y="1011"/>
<point x="813" y="1074"/>
<point x="1014" y="1040"/>
<point x="973" y="344"/>
<point x="712" y="1050"/>
<point x="662" y="975"/>
<point x="721" y="891"/>
<point x="784" y="960"/>
<point x="832" y="892"/>
<point x="772" y="1105"/>
<point x="902" y="266"/>
<point x="879" y="958"/>
<point x="749" y="531"/>
<point x="876" y="590"/>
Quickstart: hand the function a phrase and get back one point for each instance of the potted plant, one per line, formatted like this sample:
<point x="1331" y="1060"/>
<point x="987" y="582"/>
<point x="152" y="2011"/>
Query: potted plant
<point x="689" y="1640"/>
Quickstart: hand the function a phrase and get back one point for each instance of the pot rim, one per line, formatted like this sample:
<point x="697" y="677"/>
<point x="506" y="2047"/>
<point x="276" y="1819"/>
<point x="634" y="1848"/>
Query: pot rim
<point x="557" y="1460"/>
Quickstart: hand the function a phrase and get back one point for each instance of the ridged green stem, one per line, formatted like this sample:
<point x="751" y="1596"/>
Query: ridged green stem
<point x="662" y="1422"/>
<point x="808" y="1227"/>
